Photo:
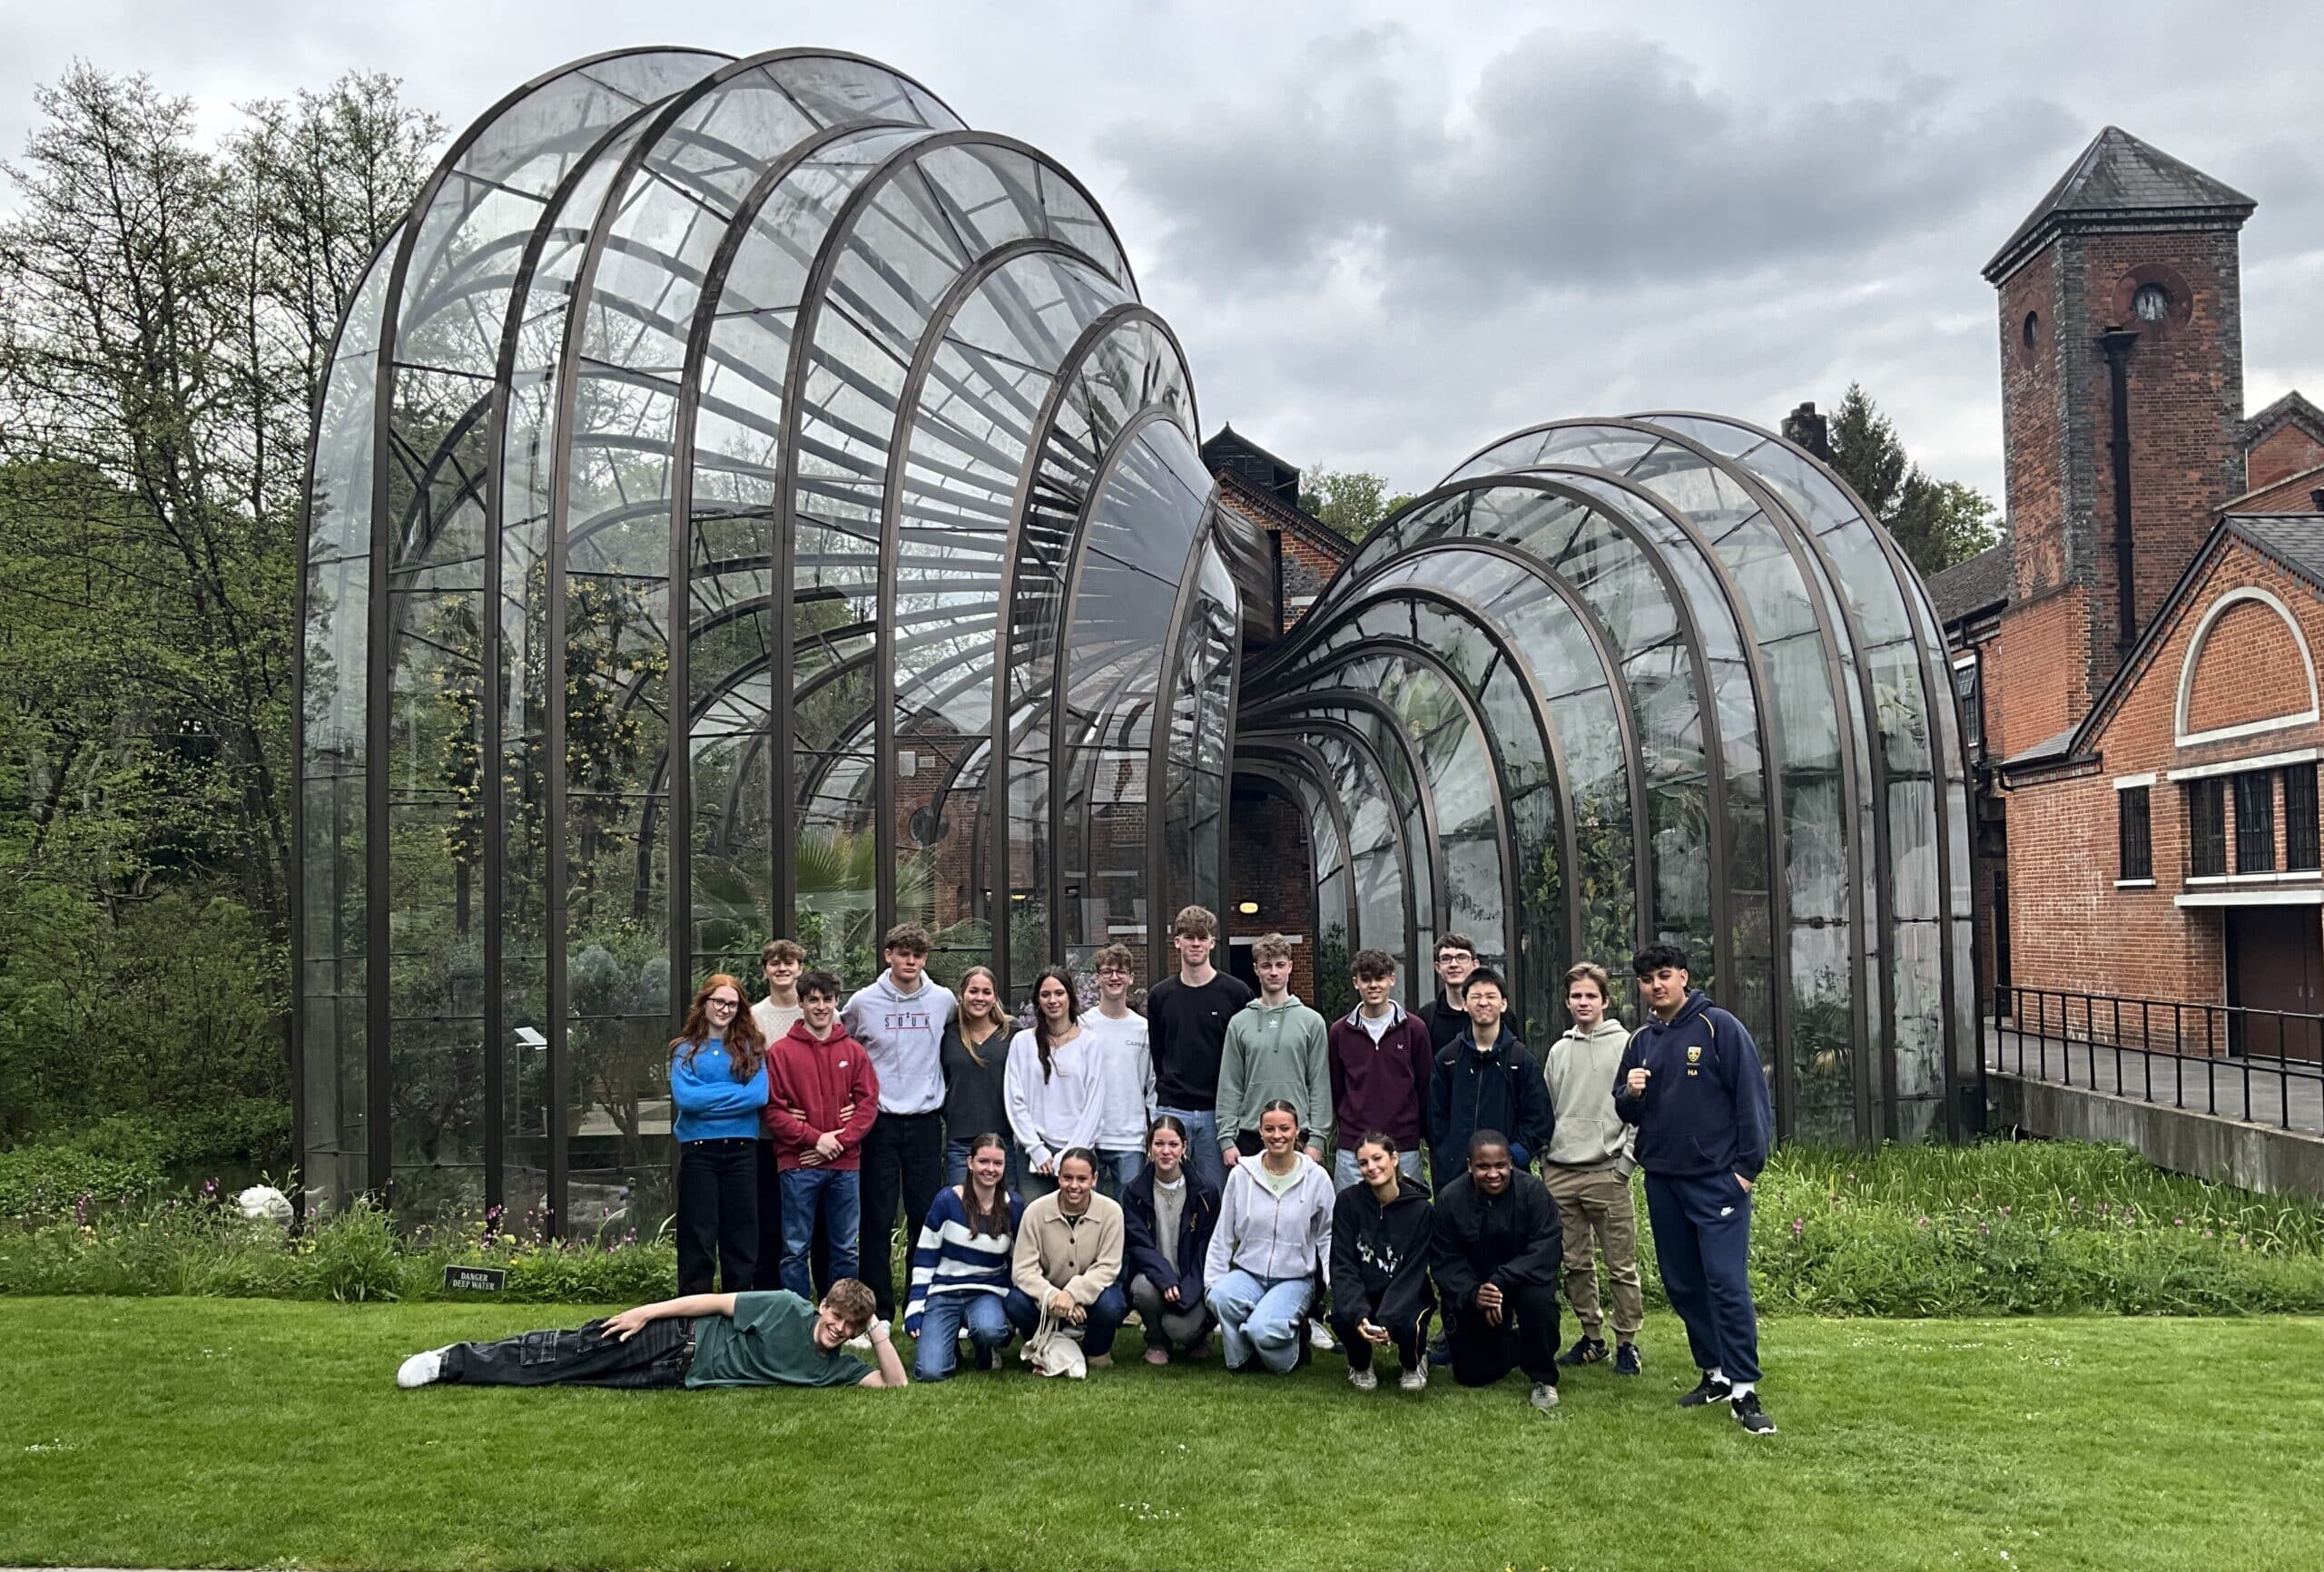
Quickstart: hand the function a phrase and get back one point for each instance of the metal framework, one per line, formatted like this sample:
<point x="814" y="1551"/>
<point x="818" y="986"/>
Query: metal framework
<point x="1714" y="711"/>
<point x="746" y="500"/>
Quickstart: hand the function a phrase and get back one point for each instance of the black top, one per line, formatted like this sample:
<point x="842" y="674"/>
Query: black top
<point x="1186" y="1029"/>
<point x="973" y="1104"/>
<point x="1512" y="1240"/>
<point x="1444" y="1022"/>
<point x="1380" y="1255"/>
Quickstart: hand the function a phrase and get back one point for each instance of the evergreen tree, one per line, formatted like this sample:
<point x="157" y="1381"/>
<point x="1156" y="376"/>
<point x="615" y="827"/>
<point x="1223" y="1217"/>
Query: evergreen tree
<point x="1937" y="523"/>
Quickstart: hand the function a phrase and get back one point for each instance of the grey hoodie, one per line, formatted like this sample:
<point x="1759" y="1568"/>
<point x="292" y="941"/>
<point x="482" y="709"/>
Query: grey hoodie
<point x="904" y="1035"/>
<point x="1579" y="1070"/>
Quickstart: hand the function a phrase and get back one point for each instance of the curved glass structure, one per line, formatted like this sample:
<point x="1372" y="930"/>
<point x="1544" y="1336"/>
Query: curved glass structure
<point x="1655" y="678"/>
<point x="746" y="500"/>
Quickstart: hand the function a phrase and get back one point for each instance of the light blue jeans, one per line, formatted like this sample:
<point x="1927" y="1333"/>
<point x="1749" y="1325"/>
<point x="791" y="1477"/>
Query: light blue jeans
<point x="1116" y="1168"/>
<point x="1343" y="1171"/>
<point x="1202" y="1144"/>
<point x="1266" y="1315"/>
<point x="936" y="1354"/>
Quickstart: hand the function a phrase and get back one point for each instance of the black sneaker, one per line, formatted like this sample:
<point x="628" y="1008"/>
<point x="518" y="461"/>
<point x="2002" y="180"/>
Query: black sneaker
<point x="1751" y="1416"/>
<point x="1628" y="1360"/>
<point x="1585" y="1350"/>
<point x="1439" y="1351"/>
<point x="1708" y="1390"/>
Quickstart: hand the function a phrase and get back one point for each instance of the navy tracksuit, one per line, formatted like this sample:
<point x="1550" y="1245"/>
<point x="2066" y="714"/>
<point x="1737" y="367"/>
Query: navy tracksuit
<point x="1704" y="1118"/>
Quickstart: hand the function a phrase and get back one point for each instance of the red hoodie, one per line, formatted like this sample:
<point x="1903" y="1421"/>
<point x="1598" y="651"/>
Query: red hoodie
<point x="808" y="1082"/>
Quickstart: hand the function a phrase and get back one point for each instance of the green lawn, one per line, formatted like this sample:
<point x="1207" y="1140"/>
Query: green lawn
<point x="165" y="1433"/>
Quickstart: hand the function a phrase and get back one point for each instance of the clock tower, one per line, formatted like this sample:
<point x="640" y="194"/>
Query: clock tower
<point x="2121" y="356"/>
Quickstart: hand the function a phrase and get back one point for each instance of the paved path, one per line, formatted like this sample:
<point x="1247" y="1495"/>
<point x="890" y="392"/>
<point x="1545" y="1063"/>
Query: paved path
<point x="2281" y="1094"/>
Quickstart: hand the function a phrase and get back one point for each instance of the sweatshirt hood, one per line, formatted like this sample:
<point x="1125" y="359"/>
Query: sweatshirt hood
<point x="1696" y="1003"/>
<point x="887" y="986"/>
<point x="1608" y="1027"/>
<point x="799" y="1033"/>
<point x="1290" y="1002"/>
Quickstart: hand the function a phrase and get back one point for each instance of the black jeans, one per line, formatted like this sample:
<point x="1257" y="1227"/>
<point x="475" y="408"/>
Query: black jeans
<point x="1526" y="1339"/>
<point x="586" y="1356"/>
<point x="770" y="1189"/>
<point x="903" y="1165"/>
<point x="718" y="1214"/>
<point x="1405" y="1339"/>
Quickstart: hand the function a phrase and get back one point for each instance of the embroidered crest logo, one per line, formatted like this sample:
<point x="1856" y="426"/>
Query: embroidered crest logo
<point x="1694" y="1055"/>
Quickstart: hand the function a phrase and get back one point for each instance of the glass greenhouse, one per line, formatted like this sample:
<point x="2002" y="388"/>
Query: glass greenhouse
<point x="746" y="501"/>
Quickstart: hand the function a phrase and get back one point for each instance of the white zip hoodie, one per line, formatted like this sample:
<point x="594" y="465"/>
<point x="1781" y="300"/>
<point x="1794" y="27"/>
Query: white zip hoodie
<point x="1270" y="1235"/>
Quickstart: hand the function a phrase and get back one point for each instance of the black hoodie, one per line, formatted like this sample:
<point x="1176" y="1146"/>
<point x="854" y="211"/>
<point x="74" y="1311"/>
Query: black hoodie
<point x="1510" y="1240"/>
<point x="1380" y="1255"/>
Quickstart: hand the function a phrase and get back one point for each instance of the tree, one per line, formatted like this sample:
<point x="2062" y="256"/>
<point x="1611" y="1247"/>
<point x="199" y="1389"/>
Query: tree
<point x="1348" y="501"/>
<point x="1937" y="523"/>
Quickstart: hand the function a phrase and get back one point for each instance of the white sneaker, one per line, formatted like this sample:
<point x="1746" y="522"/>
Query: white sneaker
<point x="422" y="1368"/>
<point x="1363" y="1380"/>
<point x="1320" y="1337"/>
<point x="1414" y="1380"/>
<point x="860" y="1342"/>
<point x="1544" y="1396"/>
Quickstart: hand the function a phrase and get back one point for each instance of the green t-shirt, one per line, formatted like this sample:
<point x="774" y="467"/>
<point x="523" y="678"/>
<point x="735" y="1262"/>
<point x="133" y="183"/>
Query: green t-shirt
<point x="770" y="1340"/>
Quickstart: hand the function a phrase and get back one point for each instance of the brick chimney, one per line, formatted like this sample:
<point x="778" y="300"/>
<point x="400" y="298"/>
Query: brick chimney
<point x="1807" y="428"/>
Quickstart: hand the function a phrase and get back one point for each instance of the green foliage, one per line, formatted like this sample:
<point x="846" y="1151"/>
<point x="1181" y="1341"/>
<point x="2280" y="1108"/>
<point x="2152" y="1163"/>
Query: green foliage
<point x="1937" y="523"/>
<point x="1348" y="501"/>
<point x="1334" y="976"/>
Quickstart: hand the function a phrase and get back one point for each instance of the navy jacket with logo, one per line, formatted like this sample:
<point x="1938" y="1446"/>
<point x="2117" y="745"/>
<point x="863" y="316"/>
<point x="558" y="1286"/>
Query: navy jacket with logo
<point x="1706" y="1108"/>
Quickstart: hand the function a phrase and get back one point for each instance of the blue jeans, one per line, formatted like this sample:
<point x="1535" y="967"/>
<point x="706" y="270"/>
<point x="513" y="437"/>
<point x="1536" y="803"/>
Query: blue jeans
<point x="1262" y="1315"/>
<point x="1105" y="1319"/>
<point x="1116" y="1168"/>
<point x="936" y="1355"/>
<point x="1343" y="1171"/>
<point x="1202" y="1144"/>
<point x="956" y="1171"/>
<point x="837" y="1198"/>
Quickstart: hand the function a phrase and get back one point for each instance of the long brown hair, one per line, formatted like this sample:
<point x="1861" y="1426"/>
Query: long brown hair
<point x="1041" y="1039"/>
<point x="745" y="1049"/>
<point x="993" y="1012"/>
<point x="995" y="1221"/>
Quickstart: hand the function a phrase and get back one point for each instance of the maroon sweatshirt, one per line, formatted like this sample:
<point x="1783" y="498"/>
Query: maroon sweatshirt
<point x="1380" y="1085"/>
<point x="808" y="1083"/>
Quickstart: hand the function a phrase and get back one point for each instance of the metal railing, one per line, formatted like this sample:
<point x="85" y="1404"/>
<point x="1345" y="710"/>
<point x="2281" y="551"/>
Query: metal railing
<point x="2167" y="1051"/>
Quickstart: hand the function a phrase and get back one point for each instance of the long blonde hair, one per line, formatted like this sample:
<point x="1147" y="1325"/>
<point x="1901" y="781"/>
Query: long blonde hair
<point x="992" y="1014"/>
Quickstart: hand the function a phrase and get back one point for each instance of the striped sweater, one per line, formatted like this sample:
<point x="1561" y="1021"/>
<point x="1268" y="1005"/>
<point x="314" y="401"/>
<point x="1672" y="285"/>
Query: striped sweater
<point x="947" y="1259"/>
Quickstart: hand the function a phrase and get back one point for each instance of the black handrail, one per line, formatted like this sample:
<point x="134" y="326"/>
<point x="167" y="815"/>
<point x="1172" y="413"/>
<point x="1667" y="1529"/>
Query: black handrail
<point x="2243" y="1042"/>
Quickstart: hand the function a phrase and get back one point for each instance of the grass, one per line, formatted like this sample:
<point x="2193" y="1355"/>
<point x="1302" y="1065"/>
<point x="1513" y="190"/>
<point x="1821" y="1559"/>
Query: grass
<point x="251" y="1433"/>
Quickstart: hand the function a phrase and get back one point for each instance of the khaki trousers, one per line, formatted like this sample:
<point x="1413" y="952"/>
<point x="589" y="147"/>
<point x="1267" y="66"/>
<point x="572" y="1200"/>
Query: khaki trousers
<point x="1595" y="1209"/>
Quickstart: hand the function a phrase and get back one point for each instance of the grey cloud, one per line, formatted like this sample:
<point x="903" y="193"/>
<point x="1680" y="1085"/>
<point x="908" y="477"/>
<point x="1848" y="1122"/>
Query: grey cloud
<point x="1582" y="160"/>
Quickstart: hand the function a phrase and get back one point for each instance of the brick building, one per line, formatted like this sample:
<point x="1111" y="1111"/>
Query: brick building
<point x="1269" y="865"/>
<point x="2134" y="659"/>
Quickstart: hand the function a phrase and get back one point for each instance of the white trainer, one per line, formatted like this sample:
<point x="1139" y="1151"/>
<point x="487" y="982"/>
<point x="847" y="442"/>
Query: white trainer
<point x="1363" y="1380"/>
<point x="422" y="1368"/>
<point x="1414" y="1380"/>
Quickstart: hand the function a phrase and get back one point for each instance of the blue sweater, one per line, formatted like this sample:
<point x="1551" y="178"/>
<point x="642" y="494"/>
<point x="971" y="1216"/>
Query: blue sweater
<point x="1706" y="1109"/>
<point x="713" y="1106"/>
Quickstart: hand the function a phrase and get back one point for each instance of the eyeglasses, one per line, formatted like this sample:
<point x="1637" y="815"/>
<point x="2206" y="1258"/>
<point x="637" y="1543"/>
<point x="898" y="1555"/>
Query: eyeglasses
<point x="1113" y="971"/>
<point x="728" y="1004"/>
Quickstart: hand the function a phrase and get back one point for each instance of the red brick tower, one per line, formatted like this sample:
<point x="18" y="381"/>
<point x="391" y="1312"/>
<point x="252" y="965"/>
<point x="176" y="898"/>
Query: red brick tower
<point x="2121" y="360"/>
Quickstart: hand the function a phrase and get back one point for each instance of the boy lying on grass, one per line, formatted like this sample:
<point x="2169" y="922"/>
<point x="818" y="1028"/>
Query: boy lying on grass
<point x="702" y="1339"/>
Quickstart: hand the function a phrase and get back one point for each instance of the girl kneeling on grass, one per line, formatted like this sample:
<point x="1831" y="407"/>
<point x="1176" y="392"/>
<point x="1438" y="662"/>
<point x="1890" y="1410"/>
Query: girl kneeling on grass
<point x="960" y="1266"/>
<point x="1381" y="1227"/>
<point x="718" y="1082"/>
<point x="1067" y="1265"/>
<point x="1168" y="1212"/>
<point x="1275" y="1227"/>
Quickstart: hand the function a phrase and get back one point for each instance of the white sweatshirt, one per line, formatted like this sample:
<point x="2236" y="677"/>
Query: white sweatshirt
<point x="1049" y="1116"/>
<point x="1269" y="1235"/>
<point x="1123" y="1105"/>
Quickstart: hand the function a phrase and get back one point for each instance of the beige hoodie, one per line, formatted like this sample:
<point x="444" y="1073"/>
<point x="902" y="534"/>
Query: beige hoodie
<point x="1579" y="1070"/>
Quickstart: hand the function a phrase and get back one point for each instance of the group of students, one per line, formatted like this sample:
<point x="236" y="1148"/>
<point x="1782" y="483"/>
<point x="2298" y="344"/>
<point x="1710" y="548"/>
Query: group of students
<point x="1221" y="1163"/>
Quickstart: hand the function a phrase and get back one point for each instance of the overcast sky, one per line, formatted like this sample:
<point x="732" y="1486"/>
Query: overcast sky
<point x="1387" y="234"/>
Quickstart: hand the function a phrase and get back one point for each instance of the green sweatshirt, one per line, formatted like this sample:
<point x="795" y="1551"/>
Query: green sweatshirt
<point x="1275" y="1052"/>
<point x="1579" y="1070"/>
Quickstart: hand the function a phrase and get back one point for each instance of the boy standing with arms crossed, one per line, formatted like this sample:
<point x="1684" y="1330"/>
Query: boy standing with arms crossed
<point x="1187" y="1015"/>
<point x="1587" y="1167"/>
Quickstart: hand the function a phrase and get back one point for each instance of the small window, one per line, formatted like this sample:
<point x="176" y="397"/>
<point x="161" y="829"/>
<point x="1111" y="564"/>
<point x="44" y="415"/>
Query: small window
<point x="1972" y="693"/>
<point x="2299" y="817"/>
<point x="2207" y="827"/>
<point x="2135" y="832"/>
<point x="2255" y="822"/>
<point x="2031" y="331"/>
<point x="2152" y="303"/>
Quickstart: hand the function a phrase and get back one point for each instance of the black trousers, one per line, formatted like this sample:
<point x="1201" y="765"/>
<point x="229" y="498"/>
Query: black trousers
<point x="1405" y="1339"/>
<point x="903" y="1166"/>
<point x="770" y="1189"/>
<point x="718" y="1214"/>
<point x="586" y="1356"/>
<point x="1526" y="1339"/>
